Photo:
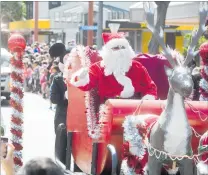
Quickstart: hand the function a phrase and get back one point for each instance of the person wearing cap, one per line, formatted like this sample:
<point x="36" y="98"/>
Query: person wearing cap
<point x="58" y="86"/>
<point x="117" y="75"/>
<point x="36" y="48"/>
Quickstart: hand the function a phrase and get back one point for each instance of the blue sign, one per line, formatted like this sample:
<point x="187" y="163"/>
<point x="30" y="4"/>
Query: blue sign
<point x="88" y="28"/>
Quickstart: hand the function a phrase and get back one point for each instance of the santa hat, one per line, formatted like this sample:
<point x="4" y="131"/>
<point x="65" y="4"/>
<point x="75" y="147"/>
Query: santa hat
<point x="114" y="38"/>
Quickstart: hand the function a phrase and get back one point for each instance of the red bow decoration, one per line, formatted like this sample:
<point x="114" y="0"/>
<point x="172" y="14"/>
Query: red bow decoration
<point x="133" y="161"/>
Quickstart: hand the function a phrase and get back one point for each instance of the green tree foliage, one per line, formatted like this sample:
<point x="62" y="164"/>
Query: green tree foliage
<point x="12" y="10"/>
<point x="201" y="40"/>
<point x="188" y="37"/>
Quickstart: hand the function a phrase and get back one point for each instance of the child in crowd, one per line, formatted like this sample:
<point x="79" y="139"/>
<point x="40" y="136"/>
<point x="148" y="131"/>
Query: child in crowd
<point x="54" y="71"/>
<point x="44" y="82"/>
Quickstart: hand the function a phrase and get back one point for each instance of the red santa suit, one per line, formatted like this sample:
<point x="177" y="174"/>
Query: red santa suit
<point x="124" y="80"/>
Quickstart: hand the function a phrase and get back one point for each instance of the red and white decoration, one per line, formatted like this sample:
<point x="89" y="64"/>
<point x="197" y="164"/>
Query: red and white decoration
<point x="17" y="45"/>
<point x="135" y="153"/>
<point x="203" y="51"/>
<point x="94" y="120"/>
<point x="202" y="165"/>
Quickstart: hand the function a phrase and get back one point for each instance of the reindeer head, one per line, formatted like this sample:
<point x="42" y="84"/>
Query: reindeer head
<point x="179" y="76"/>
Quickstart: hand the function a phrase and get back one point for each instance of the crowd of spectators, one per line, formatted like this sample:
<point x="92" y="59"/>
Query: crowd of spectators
<point x="39" y="69"/>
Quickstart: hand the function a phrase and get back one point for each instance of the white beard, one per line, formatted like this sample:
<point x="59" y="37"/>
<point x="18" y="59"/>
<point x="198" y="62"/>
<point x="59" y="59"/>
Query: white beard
<point x="116" y="62"/>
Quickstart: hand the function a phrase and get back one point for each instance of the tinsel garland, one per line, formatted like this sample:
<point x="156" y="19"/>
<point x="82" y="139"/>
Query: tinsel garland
<point x="93" y="118"/>
<point x="17" y="108"/>
<point x="134" y="163"/>
<point x="204" y="83"/>
<point x="134" y="135"/>
<point x="93" y="114"/>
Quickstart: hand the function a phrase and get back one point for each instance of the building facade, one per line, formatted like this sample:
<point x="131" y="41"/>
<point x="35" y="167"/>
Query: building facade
<point x="26" y="27"/>
<point x="181" y="18"/>
<point x="68" y="19"/>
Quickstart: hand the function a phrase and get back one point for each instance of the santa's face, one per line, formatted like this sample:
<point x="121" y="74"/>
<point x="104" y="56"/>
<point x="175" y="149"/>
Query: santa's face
<point x="117" y="57"/>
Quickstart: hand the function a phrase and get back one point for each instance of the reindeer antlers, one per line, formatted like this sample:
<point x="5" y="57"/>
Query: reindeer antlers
<point x="197" y="34"/>
<point x="149" y="11"/>
<point x="203" y="10"/>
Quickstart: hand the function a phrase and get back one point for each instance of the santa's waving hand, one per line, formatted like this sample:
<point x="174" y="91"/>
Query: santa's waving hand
<point x="117" y="75"/>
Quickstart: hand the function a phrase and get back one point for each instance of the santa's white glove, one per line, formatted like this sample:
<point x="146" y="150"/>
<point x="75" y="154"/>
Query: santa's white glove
<point x="66" y="94"/>
<point x="83" y="72"/>
<point x="80" y="78"/>
<point x="148" y="97"/>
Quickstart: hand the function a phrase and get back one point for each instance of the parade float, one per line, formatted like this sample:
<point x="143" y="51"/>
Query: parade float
<point x="130" y="136"/>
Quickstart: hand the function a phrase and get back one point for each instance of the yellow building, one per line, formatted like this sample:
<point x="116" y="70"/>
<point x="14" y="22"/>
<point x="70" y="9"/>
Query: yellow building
<point x="27" y="29"/>
<point x="139" y="36"/>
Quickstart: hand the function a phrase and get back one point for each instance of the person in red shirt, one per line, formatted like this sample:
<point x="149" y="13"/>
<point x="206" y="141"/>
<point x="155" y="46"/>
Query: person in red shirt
<point x="117" y="75"/>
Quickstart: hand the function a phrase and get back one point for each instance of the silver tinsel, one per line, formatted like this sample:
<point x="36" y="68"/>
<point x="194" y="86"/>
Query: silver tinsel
<point x="18" y="154"/>
<point x="16" y="70"/>
<point x="125" y="170"/>
<point x="206" y="70"/>
<point x="17" y="113"/>
<point x="132" y="136"/>
<point x="94" y="128"/>
<point x="17" y="127"/>
<point x="17" y="85"/>
<point x="202" y="98"/>
<point x="16" y="139"/>
<point x="16" y="98"/>
<point x="204" y="84"/>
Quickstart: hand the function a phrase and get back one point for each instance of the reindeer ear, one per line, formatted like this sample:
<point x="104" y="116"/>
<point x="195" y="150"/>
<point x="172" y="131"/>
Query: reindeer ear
<point x="168" y="71"/>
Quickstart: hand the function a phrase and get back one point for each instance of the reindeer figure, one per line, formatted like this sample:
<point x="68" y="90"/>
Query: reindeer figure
<point x="172" y="132"/>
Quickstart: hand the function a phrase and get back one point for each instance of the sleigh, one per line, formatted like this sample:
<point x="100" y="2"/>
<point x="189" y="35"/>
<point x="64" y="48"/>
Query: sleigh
<point x="103" y="156"/>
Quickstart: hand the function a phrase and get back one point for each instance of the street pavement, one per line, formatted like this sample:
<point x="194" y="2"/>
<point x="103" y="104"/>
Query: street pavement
<point x="39" y="136"/>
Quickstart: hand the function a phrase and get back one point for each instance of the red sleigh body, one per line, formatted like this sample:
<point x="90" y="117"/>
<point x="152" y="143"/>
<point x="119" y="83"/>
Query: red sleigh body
<point x="117" y="110"/>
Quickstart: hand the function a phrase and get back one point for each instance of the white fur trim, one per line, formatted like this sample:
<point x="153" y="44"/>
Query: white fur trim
<point x="173" y="171"/>
<point x="202" y="168"/>
<point x="83" y="76"/>
<point x="66" y="94"/>
<point x="148" y="97"/>
<point x="117" y="41"/>
<point x="61" y="67"/>
<point x="128" y="90"/>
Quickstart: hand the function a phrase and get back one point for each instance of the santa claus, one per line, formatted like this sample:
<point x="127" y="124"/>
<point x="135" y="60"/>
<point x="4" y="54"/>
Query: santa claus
<point x="117" y="75"/>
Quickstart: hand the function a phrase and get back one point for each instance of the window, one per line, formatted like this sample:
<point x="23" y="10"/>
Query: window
<point x="79" y="17"/>
<point x="114" y="15"/>
<point x="57" y="16"/>
<point x="120" y="16"/>
<point x="109" y="16"/>
<point x="63" y="19"/>
<point x="74" y="17"/>
<point x="29" y="10"/>
<point x="126" y="15"/>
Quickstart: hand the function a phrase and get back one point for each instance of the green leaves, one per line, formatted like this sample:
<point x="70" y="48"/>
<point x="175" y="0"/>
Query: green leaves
<point x="187" y="37"/>
<point x="13" y="10"/>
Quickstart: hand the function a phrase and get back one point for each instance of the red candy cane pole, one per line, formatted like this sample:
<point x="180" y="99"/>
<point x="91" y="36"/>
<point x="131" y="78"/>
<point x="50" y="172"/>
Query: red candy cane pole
<point x="16" y="44"/>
